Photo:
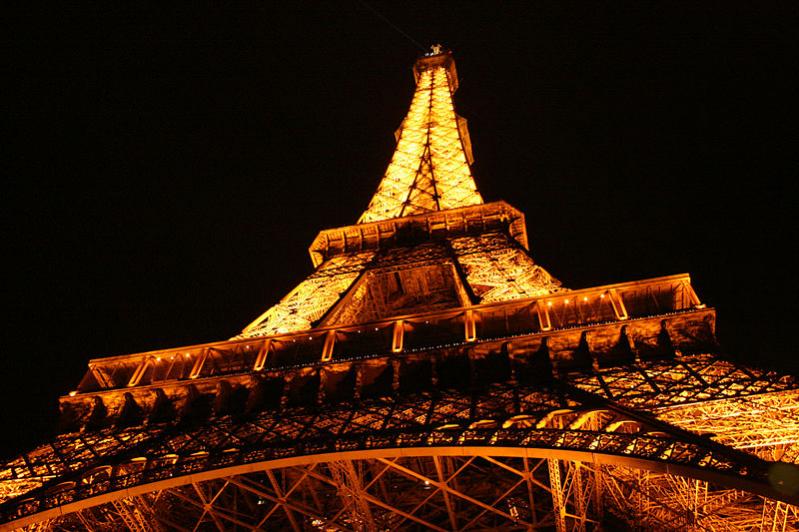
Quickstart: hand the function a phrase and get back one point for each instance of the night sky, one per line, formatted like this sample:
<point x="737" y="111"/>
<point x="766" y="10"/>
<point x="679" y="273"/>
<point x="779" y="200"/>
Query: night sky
<point x="168" y="168"/>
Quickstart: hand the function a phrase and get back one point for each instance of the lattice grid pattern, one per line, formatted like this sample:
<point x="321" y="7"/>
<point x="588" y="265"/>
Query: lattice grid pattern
<point x="311" y="298"/>
<point x="498" y="269"/>
<point x="480" y="396"/>
<point x="429" y="170"/>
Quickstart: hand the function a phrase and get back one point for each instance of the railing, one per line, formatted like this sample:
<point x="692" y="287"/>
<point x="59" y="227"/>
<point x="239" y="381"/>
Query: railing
<point x="431" y="225"/>
<point x="565" y="310"/>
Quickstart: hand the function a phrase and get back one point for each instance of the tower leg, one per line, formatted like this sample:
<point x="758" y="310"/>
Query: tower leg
<point x="558" y="506"/>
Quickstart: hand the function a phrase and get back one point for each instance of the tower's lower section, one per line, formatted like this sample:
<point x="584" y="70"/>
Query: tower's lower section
<point x="606" y="408"/>
<point x="438" y="492"/>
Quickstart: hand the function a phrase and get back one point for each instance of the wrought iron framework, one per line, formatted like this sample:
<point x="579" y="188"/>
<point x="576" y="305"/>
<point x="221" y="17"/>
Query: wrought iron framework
<point x="430" y="167"/>
<point x="428" y="375"/>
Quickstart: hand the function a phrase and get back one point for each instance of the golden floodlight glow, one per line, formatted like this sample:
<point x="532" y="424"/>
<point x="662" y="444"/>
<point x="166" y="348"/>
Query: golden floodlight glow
<point x="428" y="375"/>
<point x="429" y="170"/>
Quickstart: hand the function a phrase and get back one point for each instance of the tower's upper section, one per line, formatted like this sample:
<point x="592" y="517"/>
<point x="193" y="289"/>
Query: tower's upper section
<point x="429" y="170"/>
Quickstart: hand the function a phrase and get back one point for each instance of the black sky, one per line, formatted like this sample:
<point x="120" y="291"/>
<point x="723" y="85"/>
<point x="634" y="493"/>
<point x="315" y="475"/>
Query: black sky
<point x="168" y="168"/>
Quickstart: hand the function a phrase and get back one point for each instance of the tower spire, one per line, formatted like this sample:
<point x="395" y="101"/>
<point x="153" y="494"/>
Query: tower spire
<point x="430" y="169"/>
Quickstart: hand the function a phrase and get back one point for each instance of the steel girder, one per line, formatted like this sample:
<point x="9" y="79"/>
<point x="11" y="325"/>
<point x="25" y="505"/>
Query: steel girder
<point x="427" y="375"/>
<point x="502" y="420"/>
<point x="429" y="170"/>
<point x="435" y="492"/>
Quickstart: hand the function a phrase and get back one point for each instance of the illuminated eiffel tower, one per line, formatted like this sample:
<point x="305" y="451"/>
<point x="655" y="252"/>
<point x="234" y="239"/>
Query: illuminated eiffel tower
<point x="428" y="375"/>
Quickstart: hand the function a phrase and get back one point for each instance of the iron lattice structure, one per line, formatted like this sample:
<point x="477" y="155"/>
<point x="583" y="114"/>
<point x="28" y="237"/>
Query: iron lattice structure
<point x="428" y="375"/>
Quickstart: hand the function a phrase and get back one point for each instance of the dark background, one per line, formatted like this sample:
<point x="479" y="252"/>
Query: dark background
<point x="168" y="168"/>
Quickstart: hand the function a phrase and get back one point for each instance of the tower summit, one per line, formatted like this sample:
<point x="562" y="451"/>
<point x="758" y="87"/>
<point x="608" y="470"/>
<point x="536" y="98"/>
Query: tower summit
<point x="428" y="375"/>
<point x="430" y="168"/>
<point x="427" y="241"/>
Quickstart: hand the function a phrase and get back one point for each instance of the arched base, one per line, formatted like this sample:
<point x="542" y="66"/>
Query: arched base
<point x="439" y="488"/>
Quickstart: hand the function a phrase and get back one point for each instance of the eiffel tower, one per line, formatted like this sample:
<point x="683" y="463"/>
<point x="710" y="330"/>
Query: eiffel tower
<point x="428" y="375"/>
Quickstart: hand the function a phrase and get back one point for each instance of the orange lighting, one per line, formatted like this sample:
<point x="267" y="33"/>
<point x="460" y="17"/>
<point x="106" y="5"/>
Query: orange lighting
<point x="429" y="170"/>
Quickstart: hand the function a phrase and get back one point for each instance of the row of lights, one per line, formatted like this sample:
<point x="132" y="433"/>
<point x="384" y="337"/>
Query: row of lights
<point x="377" y="329"/>
<point x="567" y="301"/>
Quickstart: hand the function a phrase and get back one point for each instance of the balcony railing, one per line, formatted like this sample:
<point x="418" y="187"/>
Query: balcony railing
<point x="578" y="308"/>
